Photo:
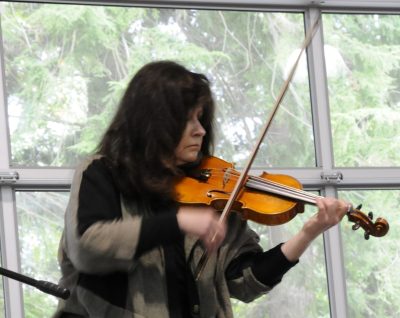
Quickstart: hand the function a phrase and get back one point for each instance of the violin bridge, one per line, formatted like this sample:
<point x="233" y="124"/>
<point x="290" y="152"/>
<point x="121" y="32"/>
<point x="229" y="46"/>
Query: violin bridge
<point x="226" y="177"/>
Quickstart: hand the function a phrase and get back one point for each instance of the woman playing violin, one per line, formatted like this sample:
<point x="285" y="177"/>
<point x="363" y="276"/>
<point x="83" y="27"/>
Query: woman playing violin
<point x="129" y="249"/>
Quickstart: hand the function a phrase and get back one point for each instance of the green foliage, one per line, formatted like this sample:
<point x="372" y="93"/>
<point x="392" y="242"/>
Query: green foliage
<point x="371" y="266"/>
<point x="365" y="101"/>
<point x="62" y="84"/>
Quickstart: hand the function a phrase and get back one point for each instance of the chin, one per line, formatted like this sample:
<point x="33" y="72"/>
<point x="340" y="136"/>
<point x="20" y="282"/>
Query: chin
<point x="190" y="158"/>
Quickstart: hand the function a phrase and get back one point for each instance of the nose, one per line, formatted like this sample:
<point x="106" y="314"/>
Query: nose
<point x="199" y="129"/>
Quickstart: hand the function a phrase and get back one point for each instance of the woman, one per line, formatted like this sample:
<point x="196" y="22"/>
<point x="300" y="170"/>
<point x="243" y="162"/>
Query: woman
<point x="129" y="249"/>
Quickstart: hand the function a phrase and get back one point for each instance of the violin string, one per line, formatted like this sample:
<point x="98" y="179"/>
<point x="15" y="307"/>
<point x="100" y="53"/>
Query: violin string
<point x="281" y="190"/>
<point x="271" y="186"/>
<point x="299" y="192"/>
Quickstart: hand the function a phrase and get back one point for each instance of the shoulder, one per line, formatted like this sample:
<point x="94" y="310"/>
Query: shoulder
<point x="93" y="162"/>
<point x="94" y="169"/>
<point x="94" y="165"/>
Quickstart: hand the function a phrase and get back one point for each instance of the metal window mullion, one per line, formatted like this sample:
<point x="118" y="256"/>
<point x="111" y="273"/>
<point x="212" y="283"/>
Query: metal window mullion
<point x="10" y="255"/>
<point x="324" y="158"/>
<point x="42" y="177"/>
<point x="335" y="267"/>
<point x="350" y="5"/>
<point x="8" y="224"/>
<point x="4" y="141"/>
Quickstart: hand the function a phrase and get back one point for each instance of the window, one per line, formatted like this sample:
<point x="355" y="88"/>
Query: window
<point x="40" y="220"/>
<point x="371" y="265"/>
<point x="363" y="78"/>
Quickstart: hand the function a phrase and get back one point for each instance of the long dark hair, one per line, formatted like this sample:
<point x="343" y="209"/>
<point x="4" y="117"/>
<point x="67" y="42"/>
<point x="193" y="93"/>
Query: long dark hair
<point x="140" y="142"/>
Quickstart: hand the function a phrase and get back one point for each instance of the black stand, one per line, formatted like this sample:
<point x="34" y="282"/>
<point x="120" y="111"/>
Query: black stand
<point x="42" y="285"/>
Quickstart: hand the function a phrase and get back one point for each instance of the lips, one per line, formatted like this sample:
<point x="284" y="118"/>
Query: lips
<point x="194" y="147"/>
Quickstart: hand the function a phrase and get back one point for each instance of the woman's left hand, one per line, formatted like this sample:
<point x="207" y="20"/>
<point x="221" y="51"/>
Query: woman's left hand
<point x="330" y="212"/>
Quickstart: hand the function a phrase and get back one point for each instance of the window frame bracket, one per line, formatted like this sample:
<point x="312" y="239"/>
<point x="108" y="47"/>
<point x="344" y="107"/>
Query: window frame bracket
<point x="9" y="177"/>
<point x="332" y="177"/>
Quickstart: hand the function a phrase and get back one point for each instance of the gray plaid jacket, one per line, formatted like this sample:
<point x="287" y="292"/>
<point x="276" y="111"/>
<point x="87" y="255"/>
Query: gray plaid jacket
<point x="109" y="246"/>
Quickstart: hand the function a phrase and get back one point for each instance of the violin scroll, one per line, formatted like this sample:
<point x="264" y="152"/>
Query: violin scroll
<point x="378" y="228"/>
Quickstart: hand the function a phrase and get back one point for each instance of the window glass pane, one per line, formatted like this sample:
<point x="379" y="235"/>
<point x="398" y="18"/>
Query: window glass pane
<point x="40" y="224"/>
<point x="372" y="275"/>
<point x="66" y="66"/>
<point x="363" y="76"/>
<point x="303" y="291"/>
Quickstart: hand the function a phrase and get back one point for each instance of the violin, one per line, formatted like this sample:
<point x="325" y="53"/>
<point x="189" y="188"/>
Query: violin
<point x="269" y="199"/>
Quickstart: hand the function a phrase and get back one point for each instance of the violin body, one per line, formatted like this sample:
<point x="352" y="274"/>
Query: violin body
<point x="213" y="181"/>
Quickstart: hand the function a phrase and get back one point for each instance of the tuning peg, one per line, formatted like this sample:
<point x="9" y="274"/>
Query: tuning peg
<point x="359" y="207"/>
<point x="371" y="216"/>
<point x="356" y="226"/>
<point x="366" y="235"/>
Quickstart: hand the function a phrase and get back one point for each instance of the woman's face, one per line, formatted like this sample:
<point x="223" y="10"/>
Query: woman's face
<point x="190" y="144"/>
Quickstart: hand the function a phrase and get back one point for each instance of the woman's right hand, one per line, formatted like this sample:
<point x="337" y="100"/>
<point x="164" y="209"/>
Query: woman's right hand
<point x="202" y="221"/>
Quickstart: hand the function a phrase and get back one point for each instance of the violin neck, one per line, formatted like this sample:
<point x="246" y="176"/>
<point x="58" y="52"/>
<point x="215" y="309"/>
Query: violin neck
<point x="282" y="190"/>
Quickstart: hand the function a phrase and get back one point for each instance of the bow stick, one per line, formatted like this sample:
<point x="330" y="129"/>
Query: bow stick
<point x="241" y="180"/>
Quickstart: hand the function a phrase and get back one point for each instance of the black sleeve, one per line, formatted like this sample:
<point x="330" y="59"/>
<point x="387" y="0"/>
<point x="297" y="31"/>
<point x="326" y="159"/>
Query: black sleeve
<point x="99" y="199"/>
<point x="268" y="267"/>
<point x="160" y="229"/>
